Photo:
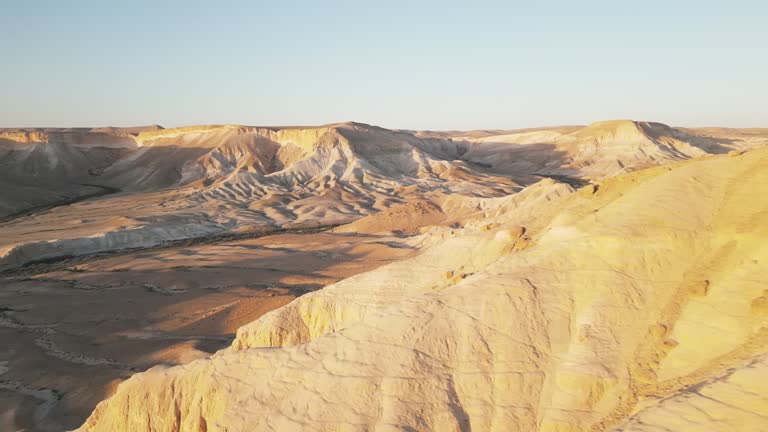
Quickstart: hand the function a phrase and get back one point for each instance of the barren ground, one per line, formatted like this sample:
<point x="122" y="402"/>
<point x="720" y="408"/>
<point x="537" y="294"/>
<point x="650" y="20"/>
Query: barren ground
<point x="70" y="331"/>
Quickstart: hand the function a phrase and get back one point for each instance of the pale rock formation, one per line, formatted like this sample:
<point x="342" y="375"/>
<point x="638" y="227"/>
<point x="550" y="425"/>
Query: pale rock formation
<point x="637" y="303"/>
<point x="191" y="182"/>
<point x="606" y="148"/>
<point x="224" y="179"/>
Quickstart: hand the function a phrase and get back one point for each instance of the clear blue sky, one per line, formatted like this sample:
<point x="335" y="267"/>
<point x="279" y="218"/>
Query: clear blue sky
<point x="400" y="64"/>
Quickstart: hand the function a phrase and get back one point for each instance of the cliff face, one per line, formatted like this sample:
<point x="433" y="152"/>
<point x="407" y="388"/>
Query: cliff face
<point x="80" y="138"/>
<point x="636" y="304"/>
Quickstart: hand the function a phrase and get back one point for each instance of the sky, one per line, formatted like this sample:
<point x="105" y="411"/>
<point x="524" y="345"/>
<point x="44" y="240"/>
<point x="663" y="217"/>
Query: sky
<point x="401" y="64"/>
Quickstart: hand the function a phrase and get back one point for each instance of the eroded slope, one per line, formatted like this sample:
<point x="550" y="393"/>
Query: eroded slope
<point x="617" y="306"/>
<point x="167" y="185"/>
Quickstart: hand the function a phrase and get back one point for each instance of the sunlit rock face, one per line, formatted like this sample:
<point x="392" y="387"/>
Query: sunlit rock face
<point x="163" y="185"/>
<point x="570" y="278"/>
<point x="635" y="303"/>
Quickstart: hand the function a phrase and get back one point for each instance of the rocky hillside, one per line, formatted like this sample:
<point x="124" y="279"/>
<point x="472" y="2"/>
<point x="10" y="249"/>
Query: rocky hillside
<point x="604" y="149"/>
<point x="176" y="184"/>
<point x="634" y="304"/>
<point x="150" y="158"/>
<point x="173" y="184"/>
<point x="252" y="159"/>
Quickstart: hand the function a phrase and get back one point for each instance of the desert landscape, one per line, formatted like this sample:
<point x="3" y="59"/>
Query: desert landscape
<point x="348" y="277"/>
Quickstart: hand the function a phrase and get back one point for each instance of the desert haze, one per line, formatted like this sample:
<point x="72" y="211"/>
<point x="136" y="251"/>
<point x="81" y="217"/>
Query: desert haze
<point x="348" y="277"/>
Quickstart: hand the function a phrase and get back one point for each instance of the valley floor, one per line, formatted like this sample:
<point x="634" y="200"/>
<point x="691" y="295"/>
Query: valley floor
<point x="70" y="331"/>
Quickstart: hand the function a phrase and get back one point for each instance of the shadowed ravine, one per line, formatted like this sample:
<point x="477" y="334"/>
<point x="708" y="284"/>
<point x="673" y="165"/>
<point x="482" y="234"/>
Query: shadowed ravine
<point x="105" y="190"/>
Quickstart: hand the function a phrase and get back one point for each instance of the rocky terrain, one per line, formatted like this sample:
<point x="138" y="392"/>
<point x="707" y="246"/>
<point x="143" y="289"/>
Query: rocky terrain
<point x="350" y="277"/>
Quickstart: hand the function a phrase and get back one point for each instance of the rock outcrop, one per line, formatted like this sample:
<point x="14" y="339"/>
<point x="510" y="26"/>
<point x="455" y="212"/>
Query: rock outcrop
<point x="225" y="179"/>
<point x="638" y="304"/>
<point x="604" y="149"/>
